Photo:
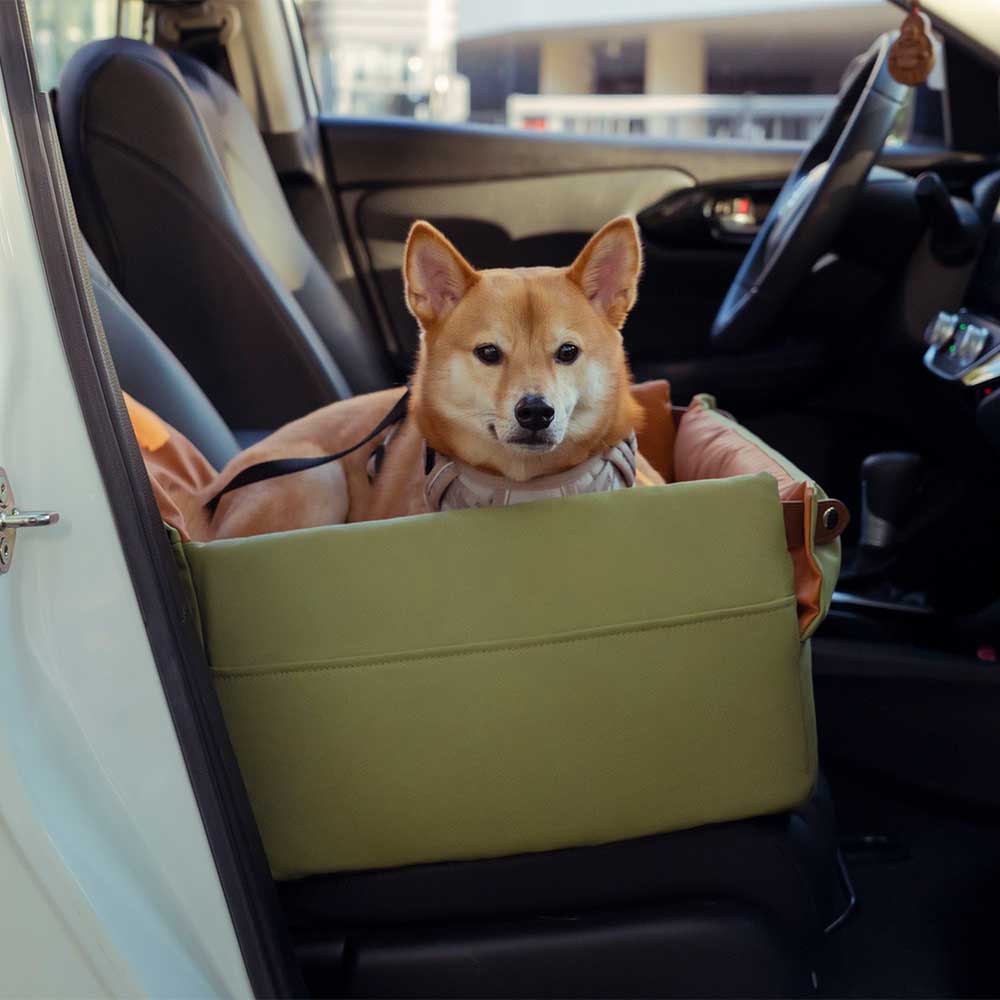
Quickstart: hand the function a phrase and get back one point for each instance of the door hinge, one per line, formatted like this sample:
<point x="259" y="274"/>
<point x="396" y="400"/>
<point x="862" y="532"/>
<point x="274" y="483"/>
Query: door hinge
<point x="11" y="519"/>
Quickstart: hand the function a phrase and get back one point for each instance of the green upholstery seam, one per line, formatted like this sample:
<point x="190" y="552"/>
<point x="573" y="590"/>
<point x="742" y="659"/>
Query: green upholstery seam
<point x="501" y="646"/>
<point x="186" y="579"/>
<point x="806" y="653"/>
<point x="816" y="552"/>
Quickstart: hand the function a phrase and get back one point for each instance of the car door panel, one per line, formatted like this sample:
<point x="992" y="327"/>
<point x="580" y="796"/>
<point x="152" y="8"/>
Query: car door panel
<point x="523" y="220"/>
<point x="522" y="198"/>
<point x="398" y="151"/>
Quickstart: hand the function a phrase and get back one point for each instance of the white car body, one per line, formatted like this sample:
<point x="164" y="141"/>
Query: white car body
<point x="109" y="886"/>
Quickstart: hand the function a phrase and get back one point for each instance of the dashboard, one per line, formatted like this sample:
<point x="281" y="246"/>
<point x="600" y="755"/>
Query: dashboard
<point x="963" y="347"/>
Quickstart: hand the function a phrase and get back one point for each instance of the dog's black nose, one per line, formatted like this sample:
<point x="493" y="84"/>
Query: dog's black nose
<point x="534" y="413"/>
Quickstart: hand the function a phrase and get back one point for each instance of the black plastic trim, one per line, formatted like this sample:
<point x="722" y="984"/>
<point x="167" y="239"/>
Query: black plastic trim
<point x="973" y="96"/>
<point x="184" y="674"/>
<point x="398" y="152"/>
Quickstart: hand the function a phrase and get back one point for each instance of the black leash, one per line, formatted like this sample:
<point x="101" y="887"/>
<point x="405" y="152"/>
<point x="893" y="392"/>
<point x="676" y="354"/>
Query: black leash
<point x="286" y="466"/>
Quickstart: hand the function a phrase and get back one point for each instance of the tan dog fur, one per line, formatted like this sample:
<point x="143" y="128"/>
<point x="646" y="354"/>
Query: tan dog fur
<point x="465" y="408"/>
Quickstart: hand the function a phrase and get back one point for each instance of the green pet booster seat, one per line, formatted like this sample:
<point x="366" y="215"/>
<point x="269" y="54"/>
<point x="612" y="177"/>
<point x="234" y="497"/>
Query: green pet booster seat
<point x="482" y="683"/>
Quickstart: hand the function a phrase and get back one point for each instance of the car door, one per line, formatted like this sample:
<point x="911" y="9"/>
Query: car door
<point x="509" y="199"/>
<point x="126" y="863"/>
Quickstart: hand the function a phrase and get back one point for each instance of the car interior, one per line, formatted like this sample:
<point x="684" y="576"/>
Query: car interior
<point x="244" y="252"/>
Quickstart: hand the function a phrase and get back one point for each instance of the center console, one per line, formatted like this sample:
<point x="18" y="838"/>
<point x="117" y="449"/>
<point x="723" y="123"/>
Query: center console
<point x="905" y="689"/>
<point x="906" y="667"/>
<point x="919" y="571"/>
<point x="964" y="347"/>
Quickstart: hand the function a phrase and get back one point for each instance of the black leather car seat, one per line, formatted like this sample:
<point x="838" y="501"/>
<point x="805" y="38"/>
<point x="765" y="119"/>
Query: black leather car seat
<point x="177" y="197"/>
<point x="149" y="371"/>
<point x="734" y="909"/>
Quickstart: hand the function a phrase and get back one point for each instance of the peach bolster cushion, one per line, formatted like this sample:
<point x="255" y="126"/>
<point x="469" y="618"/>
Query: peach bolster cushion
<point x="711" y="445"/>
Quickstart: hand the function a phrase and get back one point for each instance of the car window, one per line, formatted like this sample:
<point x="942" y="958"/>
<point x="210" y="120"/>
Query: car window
<point x="685" y="69"/>
<point x="60" y="27"/>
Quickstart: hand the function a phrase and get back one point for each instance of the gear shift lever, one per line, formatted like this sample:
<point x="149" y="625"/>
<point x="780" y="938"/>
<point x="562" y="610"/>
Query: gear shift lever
<point x="889" y="483"/>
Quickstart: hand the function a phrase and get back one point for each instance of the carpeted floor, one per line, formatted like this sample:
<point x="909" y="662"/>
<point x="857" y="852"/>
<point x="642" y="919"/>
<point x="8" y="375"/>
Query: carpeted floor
<point x="928" y="884"/>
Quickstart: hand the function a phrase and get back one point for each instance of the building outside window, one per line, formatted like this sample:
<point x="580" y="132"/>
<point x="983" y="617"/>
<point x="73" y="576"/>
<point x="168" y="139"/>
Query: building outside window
<point x="60" y="27"/>
<point x="757" y="70"/>
<point x="370" y="57"/>
<point x="749" y="71"/>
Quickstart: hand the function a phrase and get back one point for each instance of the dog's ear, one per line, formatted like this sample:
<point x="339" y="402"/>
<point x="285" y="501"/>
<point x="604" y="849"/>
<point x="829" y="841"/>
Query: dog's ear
<point x="608" y="268"/>
<point x="435" y="274"/>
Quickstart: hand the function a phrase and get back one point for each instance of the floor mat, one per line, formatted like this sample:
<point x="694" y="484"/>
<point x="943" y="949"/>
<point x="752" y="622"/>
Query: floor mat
<point x="928" y="889"/>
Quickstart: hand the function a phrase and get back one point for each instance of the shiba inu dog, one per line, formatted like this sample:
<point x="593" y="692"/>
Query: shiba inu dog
<point x="522" y="372"/>
<point x="521" y="391"/>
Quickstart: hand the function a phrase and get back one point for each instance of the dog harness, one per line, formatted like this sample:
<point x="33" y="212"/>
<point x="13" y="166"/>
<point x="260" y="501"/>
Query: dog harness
<point x="453" y="485"/>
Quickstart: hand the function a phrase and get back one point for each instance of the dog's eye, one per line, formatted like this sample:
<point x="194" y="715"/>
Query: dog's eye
<point x="489" y="354"/>
<point x="567" y="354"/>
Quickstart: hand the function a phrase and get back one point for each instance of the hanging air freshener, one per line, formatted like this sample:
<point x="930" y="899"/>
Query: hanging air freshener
<point x="911" y="57"/>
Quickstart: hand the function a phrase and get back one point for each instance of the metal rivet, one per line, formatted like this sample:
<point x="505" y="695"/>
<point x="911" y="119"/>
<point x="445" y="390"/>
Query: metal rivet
<point x="4" y="552"/>
<point x="830" y="518"/>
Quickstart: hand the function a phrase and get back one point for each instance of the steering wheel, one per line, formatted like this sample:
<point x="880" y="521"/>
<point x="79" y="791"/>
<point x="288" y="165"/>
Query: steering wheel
<point x="814" y="202"/>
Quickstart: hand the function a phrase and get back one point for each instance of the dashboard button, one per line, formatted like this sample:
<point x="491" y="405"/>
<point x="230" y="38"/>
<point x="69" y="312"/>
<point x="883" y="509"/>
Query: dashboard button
<point x="941" y="329"/>
<point x="971" y="342"/>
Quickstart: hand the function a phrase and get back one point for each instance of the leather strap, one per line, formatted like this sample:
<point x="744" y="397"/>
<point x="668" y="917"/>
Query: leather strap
<point x="832" y="517"/>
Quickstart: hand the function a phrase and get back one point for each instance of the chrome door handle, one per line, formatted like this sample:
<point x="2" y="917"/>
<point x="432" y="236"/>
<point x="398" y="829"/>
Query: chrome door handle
<point x="11" y="519"/>
<point x="27" y="519"/>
